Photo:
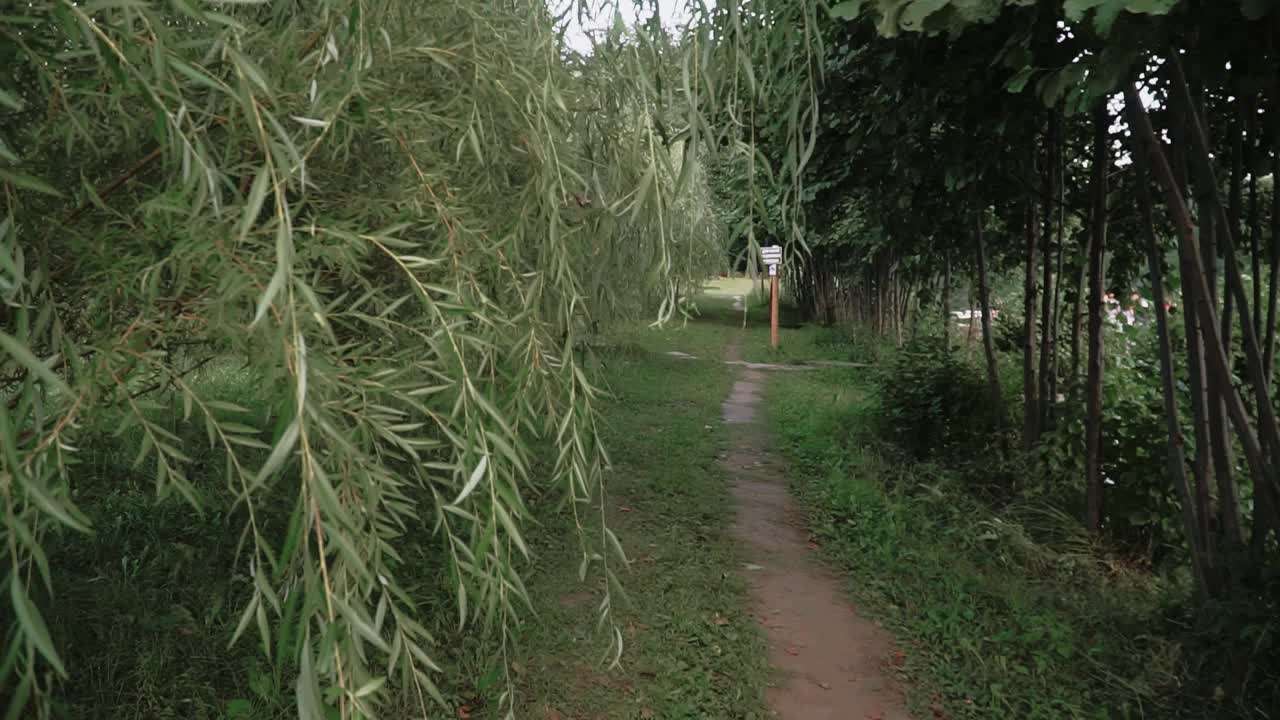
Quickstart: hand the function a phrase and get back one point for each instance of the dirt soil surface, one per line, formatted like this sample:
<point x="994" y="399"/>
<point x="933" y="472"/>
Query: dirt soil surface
<point x="831" y="663"/>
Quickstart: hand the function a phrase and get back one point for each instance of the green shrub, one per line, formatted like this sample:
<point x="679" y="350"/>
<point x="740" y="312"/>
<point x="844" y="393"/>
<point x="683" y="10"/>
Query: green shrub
<point x="932" y="400"/>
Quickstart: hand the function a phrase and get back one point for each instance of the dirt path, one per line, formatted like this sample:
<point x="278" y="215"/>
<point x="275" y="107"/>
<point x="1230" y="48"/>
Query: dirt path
<point x="831" y="662"/>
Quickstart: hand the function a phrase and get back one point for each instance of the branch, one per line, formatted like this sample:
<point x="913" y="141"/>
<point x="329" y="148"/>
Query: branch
<point x="114" y="185"/>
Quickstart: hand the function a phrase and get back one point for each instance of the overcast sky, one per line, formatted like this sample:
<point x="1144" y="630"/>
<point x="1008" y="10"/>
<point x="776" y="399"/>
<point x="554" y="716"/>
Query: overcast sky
<point x="576" y="34"/>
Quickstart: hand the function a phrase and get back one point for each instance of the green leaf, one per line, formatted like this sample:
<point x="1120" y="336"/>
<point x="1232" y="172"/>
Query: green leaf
<point x="274" y="287"/>
<point x="38" y="556"/>
<point x="250" y="70"/>
<point x="1151" y="7"/>
<point x="476" y="475"/>
<point x="197" y="75"/>
<point x="1106" y="15"/>
<point x="279" y="453"/>
<point x="32" y="624"/>
<point x="1075" y="10"/>
<point x="11" y="101"/>
<point x="310" y="706"/>
<point x="253" y="205"/>
<point x="915" y="14"/>
<point x="65" y="513"/>
<point x="28" y="182"/>
<point x="1019" y="80"/>
<point x="370" y="687"/>
<point x="847" y="10"/>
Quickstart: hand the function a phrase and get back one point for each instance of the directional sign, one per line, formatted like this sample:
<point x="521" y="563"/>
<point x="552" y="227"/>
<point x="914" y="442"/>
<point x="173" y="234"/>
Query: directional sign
<point x="772" y="256"/>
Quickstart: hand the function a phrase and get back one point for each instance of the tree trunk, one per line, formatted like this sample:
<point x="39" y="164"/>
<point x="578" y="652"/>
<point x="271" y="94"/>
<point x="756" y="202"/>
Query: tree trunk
<point x="1262" y="509"/>
<point x="1056" y="321"/>
<point x="1197" y="374"/>
<point x="1046" y="341"/>
<point x="988" y="342"/>
<point x="1255" y="223"/>
<point x="1093" y="386"/>
<point x="1176" y="451"/>
<point x="1077" y="302"/>
<point x="1273" y="290"/>
<point x="946" y="299"/>
<point x="969" y="330"/>
<point x="1267" y="427"/>
<point x="1030" y="408"/>
<point x="1211" y="228"/>
<point x="1259" y="465"/>
<point x="1048" y="293"/>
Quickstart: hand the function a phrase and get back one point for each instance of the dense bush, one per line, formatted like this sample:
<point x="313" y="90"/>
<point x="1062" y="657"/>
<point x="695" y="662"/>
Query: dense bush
<point x="933" y="400"/>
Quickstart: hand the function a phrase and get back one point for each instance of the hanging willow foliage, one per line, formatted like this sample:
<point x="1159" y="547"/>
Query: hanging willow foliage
<point x="399" y="218"/>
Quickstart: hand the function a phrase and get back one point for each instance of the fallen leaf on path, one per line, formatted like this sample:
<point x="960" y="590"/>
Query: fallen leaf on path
<point x="825" y="686"/>
<point x="792" y="651"/>
<point x="813" y="546"/>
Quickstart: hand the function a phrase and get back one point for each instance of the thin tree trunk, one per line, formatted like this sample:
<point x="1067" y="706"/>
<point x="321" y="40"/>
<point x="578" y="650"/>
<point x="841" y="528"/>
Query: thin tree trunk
<point x="1030" y="408"/>
<point x="1045" y="403"/>
<point x="988" y="342"/>
<point x="1055" y="324"/>
<point x="969" y="331"/>
<point x="1199" y="391"/>
<point x="1197" y="374"/>
<point x="1093" y="386"/>
<point x="1255" y="223"/>
<point x="1273" y="290"/>
<point x="1046" y="342"/>
<point x="1077" y="302"/>
<point x="946" y="299"/>
<point x="1173" y="425"/>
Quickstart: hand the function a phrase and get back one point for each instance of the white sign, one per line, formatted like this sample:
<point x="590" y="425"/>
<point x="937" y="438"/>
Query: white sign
<point x="772" y="256"/>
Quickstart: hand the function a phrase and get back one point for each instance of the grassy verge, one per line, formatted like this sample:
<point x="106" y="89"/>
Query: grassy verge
<point x="994" y="623"/>
<point x="691" y="649"/>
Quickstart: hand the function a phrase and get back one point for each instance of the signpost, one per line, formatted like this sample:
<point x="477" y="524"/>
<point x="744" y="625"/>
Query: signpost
<point x="772" y="256"/>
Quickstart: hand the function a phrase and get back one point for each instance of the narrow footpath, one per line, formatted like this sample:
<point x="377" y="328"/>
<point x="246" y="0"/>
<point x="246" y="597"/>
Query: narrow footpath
<point x="830" y="662"/>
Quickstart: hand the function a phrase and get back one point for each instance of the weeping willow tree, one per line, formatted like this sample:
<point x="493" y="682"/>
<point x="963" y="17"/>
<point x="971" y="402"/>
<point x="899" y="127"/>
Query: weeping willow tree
<point x="399" y="218"/>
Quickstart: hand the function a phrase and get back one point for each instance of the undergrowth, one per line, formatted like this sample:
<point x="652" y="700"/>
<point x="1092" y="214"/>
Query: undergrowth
<point x="1018" y="614"/>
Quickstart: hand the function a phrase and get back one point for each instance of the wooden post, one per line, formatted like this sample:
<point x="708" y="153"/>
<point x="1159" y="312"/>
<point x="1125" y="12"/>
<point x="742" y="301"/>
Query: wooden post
<point x="772" y="257"/>
<point x="773" y="310"/>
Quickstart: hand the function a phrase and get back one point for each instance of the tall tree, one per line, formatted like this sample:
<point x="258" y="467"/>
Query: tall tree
<point x="1100" y="164"/>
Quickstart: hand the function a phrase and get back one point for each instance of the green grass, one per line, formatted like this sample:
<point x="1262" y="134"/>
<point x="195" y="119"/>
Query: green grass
<point x="144" y="606"/>
<point x="993" y="623"/>
<point x="691" y="648"/>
